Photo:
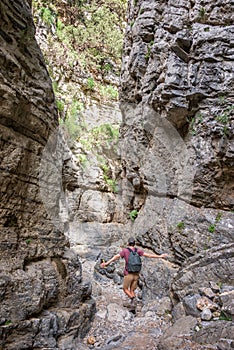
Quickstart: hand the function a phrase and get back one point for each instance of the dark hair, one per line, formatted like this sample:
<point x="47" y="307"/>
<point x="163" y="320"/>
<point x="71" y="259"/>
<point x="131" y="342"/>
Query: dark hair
<point x="131" y="241"/>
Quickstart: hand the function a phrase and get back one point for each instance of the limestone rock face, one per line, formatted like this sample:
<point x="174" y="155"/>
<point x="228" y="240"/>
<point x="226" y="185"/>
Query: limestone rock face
<point x="177" y="146"/>
<point x="44" y="301"/>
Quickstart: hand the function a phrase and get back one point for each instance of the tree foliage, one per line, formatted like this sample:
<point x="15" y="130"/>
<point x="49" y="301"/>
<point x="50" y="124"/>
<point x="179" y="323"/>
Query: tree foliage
<point x="93" y="29"/>
<point x="83" y="53"/>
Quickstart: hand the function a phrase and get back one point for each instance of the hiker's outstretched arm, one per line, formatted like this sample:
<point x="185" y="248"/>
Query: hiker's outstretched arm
<point x="115" y="257"/>
<point x="155" y="256"/>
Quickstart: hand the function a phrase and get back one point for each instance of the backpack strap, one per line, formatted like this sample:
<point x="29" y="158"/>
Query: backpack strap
<point x="135" y="250"/>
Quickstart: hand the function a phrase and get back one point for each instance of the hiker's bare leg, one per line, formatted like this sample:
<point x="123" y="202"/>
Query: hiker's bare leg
<point x="132" y="289"/>
<point x="128" y="293"/>
<point x="127" y="286"/>
<point x="134" y="285"/>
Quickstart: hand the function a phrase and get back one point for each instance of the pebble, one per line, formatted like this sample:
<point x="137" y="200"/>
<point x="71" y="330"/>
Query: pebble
<point x="206" y="315"/>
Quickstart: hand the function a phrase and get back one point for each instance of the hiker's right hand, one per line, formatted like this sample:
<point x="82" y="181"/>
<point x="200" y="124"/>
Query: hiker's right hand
<point x="165" y="255"/>
<point x="103" y="265"/>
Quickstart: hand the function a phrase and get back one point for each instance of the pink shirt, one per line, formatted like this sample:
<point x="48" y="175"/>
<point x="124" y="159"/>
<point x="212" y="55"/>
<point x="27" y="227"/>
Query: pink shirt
<point x="125" y="254"/>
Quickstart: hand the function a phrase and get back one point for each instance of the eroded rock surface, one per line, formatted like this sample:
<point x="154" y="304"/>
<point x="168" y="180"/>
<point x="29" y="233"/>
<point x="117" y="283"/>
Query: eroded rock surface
<point x="45" y="303"/>
<point x="177" y="153"/>
<point x="177" y="177"/>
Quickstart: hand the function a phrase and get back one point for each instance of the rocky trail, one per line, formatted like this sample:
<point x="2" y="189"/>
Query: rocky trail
<point x="151" y="321"/>
<point x="119" y="322"/>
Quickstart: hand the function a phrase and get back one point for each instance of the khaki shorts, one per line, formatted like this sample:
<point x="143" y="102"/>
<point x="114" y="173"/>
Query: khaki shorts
<point x="131" y="281"/>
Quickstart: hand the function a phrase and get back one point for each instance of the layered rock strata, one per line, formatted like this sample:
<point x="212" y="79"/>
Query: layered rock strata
<point x="177" y="146"/>
<point x="44" y="301"/>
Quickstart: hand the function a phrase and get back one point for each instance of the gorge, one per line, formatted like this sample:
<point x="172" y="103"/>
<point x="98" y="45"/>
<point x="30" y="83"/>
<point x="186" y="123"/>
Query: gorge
<point x="162" y="172"/>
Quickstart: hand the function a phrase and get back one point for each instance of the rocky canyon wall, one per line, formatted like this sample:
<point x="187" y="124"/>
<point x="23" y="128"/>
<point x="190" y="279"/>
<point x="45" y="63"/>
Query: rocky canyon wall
<point x="177" y="144"/>
<point x="170" y="183"/>
<point x="45" y="304"/>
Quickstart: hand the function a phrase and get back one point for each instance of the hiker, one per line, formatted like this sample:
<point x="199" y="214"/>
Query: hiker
<point x="130" y="281"/>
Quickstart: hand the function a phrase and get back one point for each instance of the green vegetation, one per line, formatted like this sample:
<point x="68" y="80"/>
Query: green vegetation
<point x="218" y="217"/>
<point x="71" y="121"/>
<point x="99" y="137"/>
<point x="180" y="226"/>
<point x="90" y="83"/>
<point x="83" y="52"/>
<point x="196" y="120"/>
<point x="133" y="214"/>
<point x="111" y="183"/>
<point x="97" y="140"/>
<point x="8" y="322"/>
<point x="224" y="317"/>
<point x="109" y="92"/>
<point x="92" y="30"/>
<point x="222" y="100"/>
<point x="149" y="47"/>
<point x="225" y="117"/>
<point x="202" y="12"/>
<point x="225" y="130"/>
<point x="212" y="227"/>
<point x="82" y="159"/>
<point x="28" y="240"/>
<point x="60" y="105"/>
<point x="84" y="40"/>
<point x="191" y="127"/>
<point x="47" y="15"/>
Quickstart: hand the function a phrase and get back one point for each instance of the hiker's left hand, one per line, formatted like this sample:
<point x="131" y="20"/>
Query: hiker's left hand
<point x="103" y="265"/>
<point x="165" y="255"/>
